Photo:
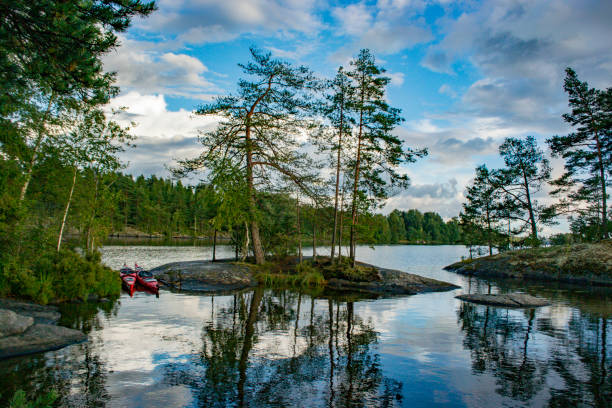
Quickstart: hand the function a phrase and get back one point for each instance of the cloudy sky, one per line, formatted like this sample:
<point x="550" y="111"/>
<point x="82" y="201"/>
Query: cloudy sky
<point x="466" y="74"/>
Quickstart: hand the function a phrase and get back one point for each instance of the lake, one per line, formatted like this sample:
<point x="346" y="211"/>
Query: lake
<point x="312" y="349"/>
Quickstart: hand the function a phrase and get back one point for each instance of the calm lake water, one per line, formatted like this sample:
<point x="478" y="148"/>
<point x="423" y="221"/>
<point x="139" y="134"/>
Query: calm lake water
<point x="284" y="348"/>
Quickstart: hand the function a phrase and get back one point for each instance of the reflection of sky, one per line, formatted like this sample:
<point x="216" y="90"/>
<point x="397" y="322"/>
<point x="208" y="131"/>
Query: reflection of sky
<point x="420" y="341"/>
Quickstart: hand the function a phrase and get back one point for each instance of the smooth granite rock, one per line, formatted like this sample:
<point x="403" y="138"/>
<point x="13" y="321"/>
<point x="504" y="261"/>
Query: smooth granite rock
<point x="204" y="276"/>
<point x="392" y="282"/>
<point x="517" y="300"/>
<point x="12" y="323"/>
<point x="41" y="333"/>
<point x="40" y="314"/>
<point x="38" y="338"/>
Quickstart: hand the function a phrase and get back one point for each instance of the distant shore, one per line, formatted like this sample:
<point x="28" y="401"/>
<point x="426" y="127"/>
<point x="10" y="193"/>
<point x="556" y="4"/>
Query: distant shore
<point x="578" y="263"/>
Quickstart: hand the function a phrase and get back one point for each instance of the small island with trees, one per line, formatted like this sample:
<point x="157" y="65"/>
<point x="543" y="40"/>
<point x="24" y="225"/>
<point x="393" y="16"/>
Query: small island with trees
<point x="293" y="160"/>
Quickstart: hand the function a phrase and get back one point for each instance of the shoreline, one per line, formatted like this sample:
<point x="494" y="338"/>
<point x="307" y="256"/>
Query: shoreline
<point x="226" y="274"/>
<point x="578" y="264"/>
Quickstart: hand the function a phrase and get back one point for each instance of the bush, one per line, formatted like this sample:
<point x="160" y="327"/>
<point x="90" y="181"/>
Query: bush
<point x="343" y="269"/>
<point x="58" y="276"/>
<point x="20" y="400"/>
<point x="305" y="275"/>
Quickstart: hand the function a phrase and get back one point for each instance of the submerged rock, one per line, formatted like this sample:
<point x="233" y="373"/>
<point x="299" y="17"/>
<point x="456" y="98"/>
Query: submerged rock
<point x="517" y="300"/>
<point x="27" y="328"/>
<point x="204" y="276"/>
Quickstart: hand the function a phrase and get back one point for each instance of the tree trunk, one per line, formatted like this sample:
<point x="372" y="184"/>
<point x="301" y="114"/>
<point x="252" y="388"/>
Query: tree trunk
<point x="299" y="229"/>
<point x="245" y="250"/>
<point x="356" y="185"/>
<point x="314" y="234"/>
<point x="489" y="230"/>
<point x="341" y="224"/>
<point x="90" y="239"/>
<point x="333" y="242"/>
<point x="257" y="249"/>
<point x="61" y="233"/>
<point x="214" y="257"/>
<point x="534" y="229"/>
<point x="39" y="138"/>
<point x="604" y="207"/>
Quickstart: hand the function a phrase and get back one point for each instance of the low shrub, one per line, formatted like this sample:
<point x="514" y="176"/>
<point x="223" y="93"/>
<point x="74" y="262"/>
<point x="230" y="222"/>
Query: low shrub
<point x="304" y="275"/>
<point x="59" y="277"/>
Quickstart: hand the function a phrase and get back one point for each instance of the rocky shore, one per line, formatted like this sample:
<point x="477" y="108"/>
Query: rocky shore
<point x="580" y="263"/>
<point x="204" y="276"/>
<point x="27" y="328"/>
<point x="223" y="276"/>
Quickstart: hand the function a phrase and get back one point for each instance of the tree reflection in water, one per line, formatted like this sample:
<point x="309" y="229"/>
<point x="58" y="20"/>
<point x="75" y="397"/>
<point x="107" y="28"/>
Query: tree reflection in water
<point x="281" y="348"/>
<point x="499" y="342"/>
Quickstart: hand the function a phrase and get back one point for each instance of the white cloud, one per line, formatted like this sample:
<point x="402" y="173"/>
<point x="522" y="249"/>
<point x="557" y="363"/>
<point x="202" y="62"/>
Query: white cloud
<point x="209" y="21"/>
<point x="143" y="68"/>
<point x="162" y="135"/>
<point x="522" y="48"/>
<point x="387" y="27"/>
<point x="446" y="89"/>
<point x="397" y="78"/>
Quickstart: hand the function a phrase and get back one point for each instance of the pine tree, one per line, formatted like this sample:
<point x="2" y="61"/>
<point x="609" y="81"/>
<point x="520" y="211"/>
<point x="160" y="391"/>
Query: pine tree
<point x="482" y="204"/>
<point x="378" y="151"/>
<point x="526" y="171"/>
<point x="257" y="134"/>
<point x="587" y="152"/>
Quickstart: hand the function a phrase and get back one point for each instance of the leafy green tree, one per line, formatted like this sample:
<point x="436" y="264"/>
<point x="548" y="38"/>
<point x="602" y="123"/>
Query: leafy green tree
<point x="50" y="62"/>
<point x="587" y="152"/>
<point x="257" y="132"/>
<point x="94" y="142"/>
<point x="526" y="171"/>
<point x="378" y="151"/>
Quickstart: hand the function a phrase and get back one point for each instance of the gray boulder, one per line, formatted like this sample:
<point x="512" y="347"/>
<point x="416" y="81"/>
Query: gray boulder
<point x="38" y="338"/>
<point x="204" y="276"/>
<point x="12" y="323"/>
<point x="41" y="314"/>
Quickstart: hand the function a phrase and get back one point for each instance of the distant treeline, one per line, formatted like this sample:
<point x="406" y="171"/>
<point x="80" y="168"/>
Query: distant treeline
<point x="162" y="206"/>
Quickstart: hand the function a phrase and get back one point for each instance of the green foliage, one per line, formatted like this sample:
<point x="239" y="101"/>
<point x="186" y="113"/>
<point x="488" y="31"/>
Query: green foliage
<point x="343" y="269"/>
<point x="587" y="151"/>
<point x="20" y="400"/>
<point x="277" y="274"/>
<point x="59" y="276"/>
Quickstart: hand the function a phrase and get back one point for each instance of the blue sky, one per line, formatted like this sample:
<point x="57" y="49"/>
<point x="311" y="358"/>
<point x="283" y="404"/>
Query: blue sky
<point x="466" y="74"/>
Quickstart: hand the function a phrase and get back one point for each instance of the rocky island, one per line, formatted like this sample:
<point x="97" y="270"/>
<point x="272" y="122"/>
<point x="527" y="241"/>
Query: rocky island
<point x="225" y="275"/>
<point x="579" y="263"/>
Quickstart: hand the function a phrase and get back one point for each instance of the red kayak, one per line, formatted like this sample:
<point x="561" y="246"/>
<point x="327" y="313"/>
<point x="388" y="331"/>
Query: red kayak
<point x="146" y="280"/>
<point x="128" y="278"/>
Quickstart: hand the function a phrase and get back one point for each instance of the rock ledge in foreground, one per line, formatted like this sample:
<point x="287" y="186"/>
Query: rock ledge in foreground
<point x="517" y="300"/>
<point x="30" y="328"/>
<point x="204" y="276"/>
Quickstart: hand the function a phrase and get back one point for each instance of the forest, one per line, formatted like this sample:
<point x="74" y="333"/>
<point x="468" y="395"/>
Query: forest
<point x="293" y="159"/>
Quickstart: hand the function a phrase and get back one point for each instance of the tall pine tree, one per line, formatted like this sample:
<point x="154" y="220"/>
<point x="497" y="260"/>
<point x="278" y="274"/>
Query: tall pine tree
<point x="587" y="152"/>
